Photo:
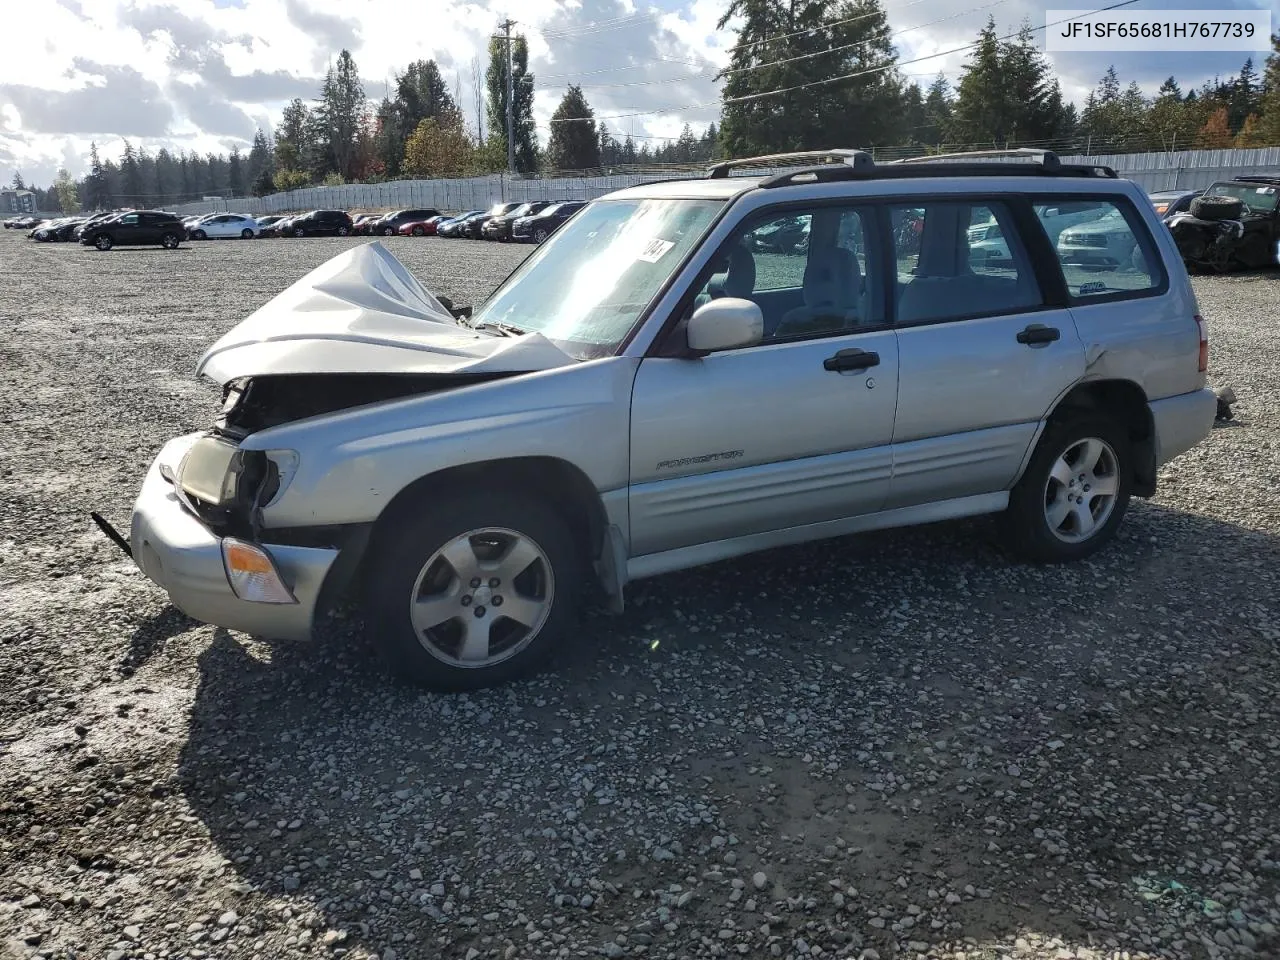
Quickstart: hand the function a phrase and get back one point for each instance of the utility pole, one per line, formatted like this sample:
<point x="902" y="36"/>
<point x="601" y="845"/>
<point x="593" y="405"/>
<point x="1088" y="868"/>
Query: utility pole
<point x="511" y="138"/>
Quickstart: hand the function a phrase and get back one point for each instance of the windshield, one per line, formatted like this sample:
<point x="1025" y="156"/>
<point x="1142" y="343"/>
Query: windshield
<point x="1259" y="198"/>
<point x="589" y="284"/>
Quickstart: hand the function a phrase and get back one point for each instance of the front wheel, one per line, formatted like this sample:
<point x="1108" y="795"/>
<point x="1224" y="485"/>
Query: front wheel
<point x="199" y="235"/>
<point x="540" y="235"/>
<point x="246" y="234"/>
<point x="1075" y="491"/>
<point x="475" y="589"/>
<point x="299" y="232"/>
<point x="103" y="242"/>
<point x="418" y="232"/>
<point x="170" y="241"/>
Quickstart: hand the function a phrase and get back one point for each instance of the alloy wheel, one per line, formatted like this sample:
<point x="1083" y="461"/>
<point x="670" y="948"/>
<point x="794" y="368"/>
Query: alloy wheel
<point x="1080" y="492"/>
<point x="482" y="597"/>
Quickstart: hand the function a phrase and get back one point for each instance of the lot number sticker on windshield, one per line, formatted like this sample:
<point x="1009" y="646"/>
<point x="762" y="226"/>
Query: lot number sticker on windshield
<point x="655" y="250"/>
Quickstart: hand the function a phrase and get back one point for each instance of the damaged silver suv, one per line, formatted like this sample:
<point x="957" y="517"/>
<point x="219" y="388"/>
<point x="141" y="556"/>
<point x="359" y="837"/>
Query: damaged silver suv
<point x="688" y="371"/>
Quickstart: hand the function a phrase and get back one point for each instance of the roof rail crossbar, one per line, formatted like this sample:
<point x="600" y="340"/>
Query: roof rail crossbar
<point x="858" y="159"/>
<point x="1047" y="158"/>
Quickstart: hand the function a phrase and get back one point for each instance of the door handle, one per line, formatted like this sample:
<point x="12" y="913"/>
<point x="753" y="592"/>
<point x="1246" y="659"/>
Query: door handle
<point x="851" y="359"/>
<point x="1038" y="333"/>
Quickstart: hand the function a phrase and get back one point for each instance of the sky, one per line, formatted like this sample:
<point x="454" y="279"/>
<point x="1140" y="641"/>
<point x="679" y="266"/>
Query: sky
<point x="204" y="74"/>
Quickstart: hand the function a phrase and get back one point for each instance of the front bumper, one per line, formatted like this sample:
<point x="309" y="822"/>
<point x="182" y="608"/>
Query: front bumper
<point x="180" y="554"/>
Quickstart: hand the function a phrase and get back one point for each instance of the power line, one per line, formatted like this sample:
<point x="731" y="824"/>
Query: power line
<point x="847" y="76"/>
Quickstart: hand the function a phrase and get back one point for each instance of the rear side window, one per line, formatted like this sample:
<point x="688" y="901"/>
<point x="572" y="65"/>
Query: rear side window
<point x="960" y="260"/>
<point x="1104" y="248"/>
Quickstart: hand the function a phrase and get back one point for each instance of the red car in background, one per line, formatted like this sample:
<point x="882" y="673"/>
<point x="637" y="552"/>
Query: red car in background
<point x="421" y="228"/>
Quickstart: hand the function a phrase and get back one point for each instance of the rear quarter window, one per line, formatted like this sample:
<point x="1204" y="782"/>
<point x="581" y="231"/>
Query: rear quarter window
<point x="1104" y="248"/>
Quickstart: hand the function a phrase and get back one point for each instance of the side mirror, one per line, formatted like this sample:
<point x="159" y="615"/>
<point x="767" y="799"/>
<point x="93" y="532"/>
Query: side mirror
<point x="725" y="323"/>
<point x="1052" y="212"/>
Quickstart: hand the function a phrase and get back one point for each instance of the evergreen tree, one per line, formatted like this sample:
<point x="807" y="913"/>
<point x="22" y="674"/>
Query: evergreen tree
<point x="186" y="177"/>
<point x="610" y="149"/>
<point x="235" y="173"/>
<point x="338" y="117"/>
<point x="96" y="196"/>
<point x="168" y="184"/>
<point x="785" y="44"/>
<point x="573" y="144"/>
<point x="421" y="92"/>
<point x="131" y="177"/>
<point x="1113" y="121"/>
<point x="260" y="159"/>
<point x="982" y="99"/>
<point x="18" y="182"/>
<point x="293" y="136"/>
<point x="1169" y="123"/>
<point x="937" y="112"/>
<point x="1245" y="96"/>
<point x="522" y="101"/>
<point x="1269" y="103"/>
<point x="389" y="137"/>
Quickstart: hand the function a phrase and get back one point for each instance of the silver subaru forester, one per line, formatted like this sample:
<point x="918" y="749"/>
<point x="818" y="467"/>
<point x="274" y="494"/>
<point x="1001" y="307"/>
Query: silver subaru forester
<point x="687" y="371"/>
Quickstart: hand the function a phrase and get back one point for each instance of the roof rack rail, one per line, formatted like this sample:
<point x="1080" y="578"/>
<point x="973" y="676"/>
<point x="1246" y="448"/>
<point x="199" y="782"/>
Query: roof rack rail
<point x="1047" y="158"/>
<point x="857" y="159"/>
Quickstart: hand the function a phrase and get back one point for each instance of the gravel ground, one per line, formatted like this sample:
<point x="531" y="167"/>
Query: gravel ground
<point x="899" y="744"/>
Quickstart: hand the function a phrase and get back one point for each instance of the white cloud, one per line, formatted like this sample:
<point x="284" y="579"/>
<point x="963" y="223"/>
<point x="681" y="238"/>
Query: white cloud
<point x="197" y="75"/>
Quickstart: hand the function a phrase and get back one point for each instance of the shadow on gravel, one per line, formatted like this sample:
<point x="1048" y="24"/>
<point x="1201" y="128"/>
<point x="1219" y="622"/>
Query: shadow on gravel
<point x="150" y="635"/>
<point x="884" y="739"/>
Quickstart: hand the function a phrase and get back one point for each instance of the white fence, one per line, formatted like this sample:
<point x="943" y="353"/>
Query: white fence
<point x="1153" y="171"/>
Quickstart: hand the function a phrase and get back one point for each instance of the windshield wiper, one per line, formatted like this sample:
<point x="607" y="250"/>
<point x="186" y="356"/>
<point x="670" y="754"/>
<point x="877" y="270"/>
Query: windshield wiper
<point x="506" y="329"/>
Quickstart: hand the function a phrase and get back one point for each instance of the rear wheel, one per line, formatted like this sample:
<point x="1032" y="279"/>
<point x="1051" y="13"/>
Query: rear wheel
<point x="343" y="231"/>
<point x="474" y="589"/>
<point x="1074" y="493"/>
<point x="103" y="241"/>
<point x="388" y="231"/>
<point x="1254" y="252"/>
<point x="170" y="241"/>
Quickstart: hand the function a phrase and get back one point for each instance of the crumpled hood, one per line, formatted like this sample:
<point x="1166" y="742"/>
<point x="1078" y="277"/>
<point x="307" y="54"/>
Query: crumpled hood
<point x="364" y="312"/>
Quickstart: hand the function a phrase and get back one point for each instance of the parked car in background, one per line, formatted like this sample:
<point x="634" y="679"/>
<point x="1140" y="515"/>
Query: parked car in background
<point x="987" y="241"/>
<point x="79" y="229"/>
<point x="499" y="228"/>
<point x="361" y="223"/>
<point x="317" y="223"/>
<point x="1104" y="243"/>
<point x="224" y="226"/>
<point x="473" y="228"/>
<point x="536" y="227"/>
<point x="451" y="226"/>
<point x="390" y="224"/>
<point x="1169" y="202"/>
<point x="265" y="223"/>
<point x="278" y="229"/>
<point x="136" y="228"/>
<point x="26" y="222"/>
<point x="53" y="231"/>
<point x="421" y="228"/>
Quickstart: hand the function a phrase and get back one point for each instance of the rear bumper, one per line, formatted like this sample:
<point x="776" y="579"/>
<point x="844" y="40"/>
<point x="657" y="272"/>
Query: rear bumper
<point x="181" y="555"/>
<point x="1182" y="421"/>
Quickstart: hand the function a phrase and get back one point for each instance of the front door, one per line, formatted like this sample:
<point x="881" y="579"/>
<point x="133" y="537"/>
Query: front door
<point x="793" y="430"/>
<point x="983" y="359"/>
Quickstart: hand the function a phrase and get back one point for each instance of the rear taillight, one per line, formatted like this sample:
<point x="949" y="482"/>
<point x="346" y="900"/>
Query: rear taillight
<point x="1204" y="344"/>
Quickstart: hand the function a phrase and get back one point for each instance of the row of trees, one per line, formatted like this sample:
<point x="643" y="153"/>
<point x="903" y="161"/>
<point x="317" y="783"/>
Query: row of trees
<point x="802" y="74"/>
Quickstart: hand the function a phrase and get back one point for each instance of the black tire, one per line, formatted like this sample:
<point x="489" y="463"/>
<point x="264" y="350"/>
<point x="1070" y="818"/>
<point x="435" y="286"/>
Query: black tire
<point x="343" y="231"/>
<point x="418" y="232"/>
<point x="1217" y="208"/>
<point x="103" y="241"/>
<point x="246" y="234"/>
<point x="299" y="232"/>
<point x="170" y="241"/>
<point x="199" y="235"/>
<point x="540" y="235"/>
<point x="1024" y="525"/>
<point x="388" y="231"/>
<point x="417" y="531"/>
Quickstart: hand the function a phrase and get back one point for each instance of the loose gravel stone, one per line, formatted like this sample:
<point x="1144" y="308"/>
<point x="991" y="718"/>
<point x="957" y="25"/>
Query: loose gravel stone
<point x="914" y="745"/>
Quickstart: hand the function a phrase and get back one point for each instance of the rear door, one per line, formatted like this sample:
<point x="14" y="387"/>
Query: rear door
<point x="986" y="348"/>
